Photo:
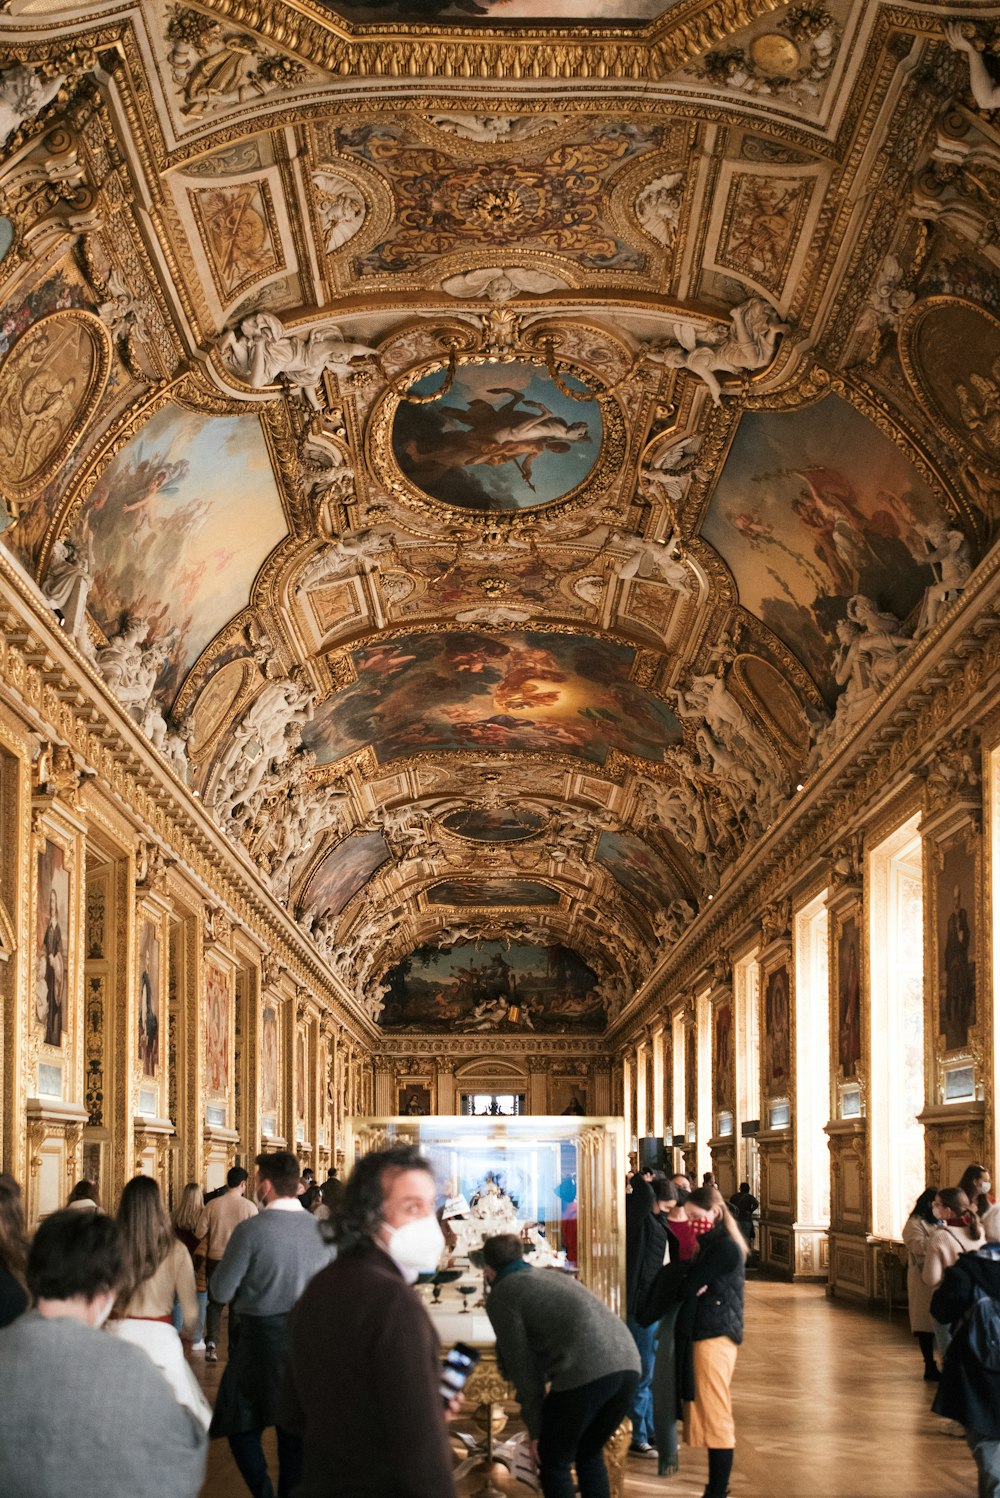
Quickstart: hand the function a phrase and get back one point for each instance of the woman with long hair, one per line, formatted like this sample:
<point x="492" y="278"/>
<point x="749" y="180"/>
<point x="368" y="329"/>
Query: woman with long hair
<point x="186" y="1217"/>
<point x="976" y="1184"/>
<point x="958" y="1232"/>
<point x="157" y="1268"/>
<point x="917" y="1232"/>
<point x="13" y="1252"/>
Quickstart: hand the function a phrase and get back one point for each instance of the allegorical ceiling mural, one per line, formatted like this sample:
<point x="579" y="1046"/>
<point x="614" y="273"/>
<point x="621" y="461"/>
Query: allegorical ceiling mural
<point x="498" y="451"/>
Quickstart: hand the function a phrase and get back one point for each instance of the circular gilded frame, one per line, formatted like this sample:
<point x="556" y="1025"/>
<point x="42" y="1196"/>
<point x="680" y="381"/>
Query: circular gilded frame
<point x="950" y="352"/>
<point x="44" y="406"/>
<point x="606" y="469"/>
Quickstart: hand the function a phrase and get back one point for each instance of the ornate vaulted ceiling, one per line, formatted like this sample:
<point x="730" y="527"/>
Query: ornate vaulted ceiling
<point x="491" y="438"/>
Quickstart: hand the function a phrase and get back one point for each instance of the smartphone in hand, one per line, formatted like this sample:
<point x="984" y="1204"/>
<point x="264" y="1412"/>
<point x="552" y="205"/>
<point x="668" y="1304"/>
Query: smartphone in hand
<point x="456" y="1369"/>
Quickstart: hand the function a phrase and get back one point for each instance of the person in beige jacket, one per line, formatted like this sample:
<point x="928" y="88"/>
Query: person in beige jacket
<point x="219" y="1221"/>
<point x="917" y="1231"/>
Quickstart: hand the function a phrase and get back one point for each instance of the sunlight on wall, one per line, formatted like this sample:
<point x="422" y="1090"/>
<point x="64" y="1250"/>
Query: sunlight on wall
<point x="746" y="995"/>
<point x="703" y="1105"/>
<point x="896" y="1087"/>
<point x="679" y="1097"/>
<point x="812" y="1063"/>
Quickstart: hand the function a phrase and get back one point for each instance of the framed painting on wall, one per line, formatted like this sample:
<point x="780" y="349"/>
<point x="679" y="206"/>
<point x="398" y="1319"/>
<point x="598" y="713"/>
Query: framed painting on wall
<point x="52" y="943"/>
<point x="777" y="1036"/>
<point x="217" y="1009"/>
<point x="847" y="957"/>
<point x="956" y="902"/>
<point x="149" y="998"/>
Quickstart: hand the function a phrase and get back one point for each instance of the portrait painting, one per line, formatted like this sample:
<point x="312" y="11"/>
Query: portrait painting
<point x="484" y="824"/>
<point x="269" y="1059"/>
<point x="345" y="870"/>
<point x="723" y="1059"/>
<point x="812" y="508"/>
<point x="216" y="1030"/>
<point x="548" y="693"/>
<point x="492" y="892"/>
<point x="777" y="1034"/>
<point x="637" y="869"/>
<point x="414" y="1100"/>
<point x="52" y="944"/>
<point x="300" y="1075"/>
<point x="179" y="524"/>
<point x="149" y="998"/>
<point x="849" y="997"/>
<point x="956" y="943"/>
<point x="492" y="988"/>
<point x="504" y="437"/>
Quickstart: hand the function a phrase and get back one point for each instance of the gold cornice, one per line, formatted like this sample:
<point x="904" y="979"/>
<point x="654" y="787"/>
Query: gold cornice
<point x="944" y="676"/>
<point x="63" y="695"/>
<point x="339" y="46"/>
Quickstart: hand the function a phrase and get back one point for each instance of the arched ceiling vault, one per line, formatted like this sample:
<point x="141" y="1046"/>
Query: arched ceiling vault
<point x="503" y="476"/>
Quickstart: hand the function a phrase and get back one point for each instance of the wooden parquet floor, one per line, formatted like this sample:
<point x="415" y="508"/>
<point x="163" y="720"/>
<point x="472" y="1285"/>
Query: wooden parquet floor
<point x="830" y="1403"/>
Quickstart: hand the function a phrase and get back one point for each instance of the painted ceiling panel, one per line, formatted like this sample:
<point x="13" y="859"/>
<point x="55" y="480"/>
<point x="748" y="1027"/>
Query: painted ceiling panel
<point x="180" y="523"/>
<point x="542" y="693"/>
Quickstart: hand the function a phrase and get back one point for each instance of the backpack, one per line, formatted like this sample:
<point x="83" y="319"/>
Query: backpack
<point x="983" y="1321"/>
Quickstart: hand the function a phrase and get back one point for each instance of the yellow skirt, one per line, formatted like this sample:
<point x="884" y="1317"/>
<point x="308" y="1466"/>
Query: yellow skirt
<point x="708" y="1419"/>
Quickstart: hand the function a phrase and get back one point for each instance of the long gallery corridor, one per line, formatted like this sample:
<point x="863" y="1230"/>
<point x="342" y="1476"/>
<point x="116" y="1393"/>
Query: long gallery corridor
<point x="829" y="1403"/>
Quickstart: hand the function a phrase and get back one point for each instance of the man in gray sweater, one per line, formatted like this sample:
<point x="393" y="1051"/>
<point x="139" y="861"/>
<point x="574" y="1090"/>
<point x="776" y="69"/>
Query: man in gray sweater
<point x="572" y="1361"/>
<point x="82" y="1412"/>
<point x="268" y="1262"/>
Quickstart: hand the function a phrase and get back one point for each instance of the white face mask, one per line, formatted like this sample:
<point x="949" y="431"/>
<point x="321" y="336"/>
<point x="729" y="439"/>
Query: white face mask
<point x="416" y="1246"/>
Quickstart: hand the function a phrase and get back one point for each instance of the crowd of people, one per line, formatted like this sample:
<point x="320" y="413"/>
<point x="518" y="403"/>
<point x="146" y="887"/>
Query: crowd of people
<point x="952" y="1240"/>
<point x="100" y="1318"/>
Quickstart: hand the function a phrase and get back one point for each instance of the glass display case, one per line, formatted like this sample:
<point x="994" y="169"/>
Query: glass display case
<point x="559" y="1183"/>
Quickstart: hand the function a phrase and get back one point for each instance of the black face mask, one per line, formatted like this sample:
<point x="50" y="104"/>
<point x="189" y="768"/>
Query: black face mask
<point x="682" y="1195"/>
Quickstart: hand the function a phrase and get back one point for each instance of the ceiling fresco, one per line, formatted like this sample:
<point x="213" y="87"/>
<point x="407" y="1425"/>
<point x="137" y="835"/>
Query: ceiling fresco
<point x="492" y="892"/>
<point x="514" y="445"/>
<point x="489" y="988"/>
<point x="490" y="446"/>
<point x="541" y="693"/>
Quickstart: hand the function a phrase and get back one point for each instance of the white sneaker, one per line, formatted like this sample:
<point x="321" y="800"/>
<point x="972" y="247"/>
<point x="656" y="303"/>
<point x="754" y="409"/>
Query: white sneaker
<point x="198" y="1346"/>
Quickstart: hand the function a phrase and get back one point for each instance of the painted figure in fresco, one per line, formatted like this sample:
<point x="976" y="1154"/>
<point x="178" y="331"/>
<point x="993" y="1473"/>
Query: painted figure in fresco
<point x="518" y="431"/>
<point x="959" y="1009"/>
<point x="849" y="1006"/>
<point x="149" y="1028"/>
<point x="55" y="973"/>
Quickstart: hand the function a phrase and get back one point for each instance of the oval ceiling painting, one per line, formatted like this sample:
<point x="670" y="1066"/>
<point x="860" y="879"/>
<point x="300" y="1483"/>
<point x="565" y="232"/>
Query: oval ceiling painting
<point x="492" y="892"/>
<point x="483" y="824"/>
<point x="503" y="437"/>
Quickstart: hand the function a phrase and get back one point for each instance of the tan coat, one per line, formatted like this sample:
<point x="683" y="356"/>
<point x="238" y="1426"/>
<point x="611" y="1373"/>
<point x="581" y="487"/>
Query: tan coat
<point x="916" y="1237"/>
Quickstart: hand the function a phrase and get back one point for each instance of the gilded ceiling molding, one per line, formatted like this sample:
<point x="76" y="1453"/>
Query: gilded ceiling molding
<point x="466" y="51"/>
<point x="43" y="671"/>
<point x="946" y="677"/>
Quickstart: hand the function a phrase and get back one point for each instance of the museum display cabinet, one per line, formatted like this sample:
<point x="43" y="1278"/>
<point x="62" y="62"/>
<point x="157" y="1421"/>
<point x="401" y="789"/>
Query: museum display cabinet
<point x="559" y="1183"/>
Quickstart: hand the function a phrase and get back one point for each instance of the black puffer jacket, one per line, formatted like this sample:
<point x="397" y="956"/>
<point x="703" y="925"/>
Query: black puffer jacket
<point x="720" y="1268"/>
<point x="968" y="1392"/>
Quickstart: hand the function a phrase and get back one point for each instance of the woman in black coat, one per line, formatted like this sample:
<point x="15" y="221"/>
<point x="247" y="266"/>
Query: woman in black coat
<point x="969" y="1392"/>
<point x="708" y="1291"/>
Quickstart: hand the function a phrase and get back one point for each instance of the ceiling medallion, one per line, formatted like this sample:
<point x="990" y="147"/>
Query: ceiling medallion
<point x="507" y="427"/>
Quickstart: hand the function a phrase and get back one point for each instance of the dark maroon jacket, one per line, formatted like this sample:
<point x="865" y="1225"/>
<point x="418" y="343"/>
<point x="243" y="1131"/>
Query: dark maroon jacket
<point x="363" y="1385"/>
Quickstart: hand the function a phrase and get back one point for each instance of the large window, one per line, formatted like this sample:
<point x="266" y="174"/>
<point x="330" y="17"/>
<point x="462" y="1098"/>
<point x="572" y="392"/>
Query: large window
<point x="703" y="1105"/>
<point x="746" y="994"/>
<point x="896" y="1089"/>
<point x="812" y="1063"/>
<point x="493" y="1104"/>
